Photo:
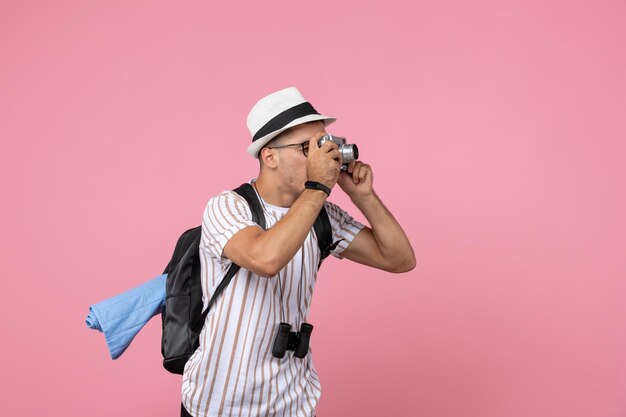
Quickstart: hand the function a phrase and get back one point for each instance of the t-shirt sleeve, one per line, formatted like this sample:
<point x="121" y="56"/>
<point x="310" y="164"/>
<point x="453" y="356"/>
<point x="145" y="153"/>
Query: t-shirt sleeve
<point x="344" y="227"/>
<point x="225" y="214"/>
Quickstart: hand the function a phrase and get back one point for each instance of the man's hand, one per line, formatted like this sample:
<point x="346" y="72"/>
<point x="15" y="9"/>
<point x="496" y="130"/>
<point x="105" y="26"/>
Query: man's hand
<point x="358" y="181"/>
<point x="323" y="162"/>
<point x="384" y="245"/>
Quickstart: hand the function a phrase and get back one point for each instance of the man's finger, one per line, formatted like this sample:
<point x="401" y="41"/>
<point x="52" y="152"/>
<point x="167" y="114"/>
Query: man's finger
<point x="363" y="173"/>
<point x="314" y="139"/>
<point x="355" y="172"/>
<point x="329" y="145"/>
<point x="334" y="154"/>
<point x="367" y="173"/>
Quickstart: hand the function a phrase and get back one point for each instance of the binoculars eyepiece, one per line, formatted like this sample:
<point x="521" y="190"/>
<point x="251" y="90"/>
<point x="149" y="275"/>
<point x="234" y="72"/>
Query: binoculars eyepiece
<point x="287" y="340"/>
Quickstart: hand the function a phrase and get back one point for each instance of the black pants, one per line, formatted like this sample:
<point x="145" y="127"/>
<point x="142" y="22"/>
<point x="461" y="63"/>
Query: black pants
<point x="184" y="413"/>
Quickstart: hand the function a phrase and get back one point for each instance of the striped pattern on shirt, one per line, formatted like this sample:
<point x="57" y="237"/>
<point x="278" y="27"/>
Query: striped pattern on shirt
<point x="233" y="372"/>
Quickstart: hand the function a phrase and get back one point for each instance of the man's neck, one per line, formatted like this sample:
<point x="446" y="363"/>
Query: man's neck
<point x="271" y="193"/>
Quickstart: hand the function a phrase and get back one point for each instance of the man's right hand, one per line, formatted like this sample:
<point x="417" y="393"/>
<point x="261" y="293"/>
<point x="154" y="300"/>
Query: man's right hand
<point x="323" y="163"/>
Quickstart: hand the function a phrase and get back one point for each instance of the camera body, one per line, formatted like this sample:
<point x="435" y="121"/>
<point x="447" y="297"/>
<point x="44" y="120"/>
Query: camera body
<point x="349" y="152"/>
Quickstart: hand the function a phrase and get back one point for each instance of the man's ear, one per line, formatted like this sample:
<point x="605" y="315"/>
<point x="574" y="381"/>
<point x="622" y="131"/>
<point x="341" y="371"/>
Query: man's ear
<point x="268" y="157"/>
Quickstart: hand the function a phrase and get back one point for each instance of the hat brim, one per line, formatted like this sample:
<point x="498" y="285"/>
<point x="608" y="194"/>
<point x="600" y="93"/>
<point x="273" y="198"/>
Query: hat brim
<point x="255" y="147"/>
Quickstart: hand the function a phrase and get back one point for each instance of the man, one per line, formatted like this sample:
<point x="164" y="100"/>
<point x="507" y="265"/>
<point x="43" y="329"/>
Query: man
<point x="233" y="372"/>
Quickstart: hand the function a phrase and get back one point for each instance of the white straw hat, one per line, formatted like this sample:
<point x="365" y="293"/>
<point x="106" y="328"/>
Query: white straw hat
<point x="277" y="112"/>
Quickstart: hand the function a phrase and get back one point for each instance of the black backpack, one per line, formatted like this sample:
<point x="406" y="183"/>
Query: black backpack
<point x="183" y="318"/>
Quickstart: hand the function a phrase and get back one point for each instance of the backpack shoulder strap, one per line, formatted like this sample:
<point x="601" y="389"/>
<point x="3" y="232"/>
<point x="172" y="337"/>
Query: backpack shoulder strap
<point x="246" y="191"/>
<point x="324" y="234"/>
<point x="198" y="323"/>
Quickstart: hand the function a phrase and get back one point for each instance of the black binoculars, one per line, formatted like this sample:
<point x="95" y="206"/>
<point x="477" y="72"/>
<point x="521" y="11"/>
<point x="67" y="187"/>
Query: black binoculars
<point x="288" y="340"/>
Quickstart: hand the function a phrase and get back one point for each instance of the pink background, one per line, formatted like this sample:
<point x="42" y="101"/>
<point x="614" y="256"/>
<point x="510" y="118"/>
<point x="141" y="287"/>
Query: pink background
<point x="496" y="133"/>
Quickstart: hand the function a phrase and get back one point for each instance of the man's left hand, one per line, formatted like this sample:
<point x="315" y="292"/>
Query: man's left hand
<point x="357" y="181"/>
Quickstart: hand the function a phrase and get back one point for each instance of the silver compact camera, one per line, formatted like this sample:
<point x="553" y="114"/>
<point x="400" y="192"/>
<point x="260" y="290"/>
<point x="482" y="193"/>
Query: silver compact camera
<point x="349" y="152"/>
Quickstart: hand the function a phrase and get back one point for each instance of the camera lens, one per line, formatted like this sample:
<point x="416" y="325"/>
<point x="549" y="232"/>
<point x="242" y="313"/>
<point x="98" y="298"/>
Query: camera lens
<point x="349" y="153"/>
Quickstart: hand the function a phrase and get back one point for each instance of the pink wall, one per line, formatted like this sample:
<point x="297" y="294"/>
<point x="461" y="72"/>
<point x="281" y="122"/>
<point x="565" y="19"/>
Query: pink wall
<point x="496" y="133"/>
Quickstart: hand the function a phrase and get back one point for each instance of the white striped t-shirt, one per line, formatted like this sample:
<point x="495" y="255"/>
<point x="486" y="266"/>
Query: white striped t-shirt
<point x="233" y="372"/>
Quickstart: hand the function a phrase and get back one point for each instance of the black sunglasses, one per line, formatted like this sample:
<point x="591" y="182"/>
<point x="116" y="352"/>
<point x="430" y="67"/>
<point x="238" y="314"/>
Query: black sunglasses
<point x="303" y="145"/>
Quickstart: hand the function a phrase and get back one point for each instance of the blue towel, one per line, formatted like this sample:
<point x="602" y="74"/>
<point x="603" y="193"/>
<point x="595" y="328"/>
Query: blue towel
<point x="121" y="317"/>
